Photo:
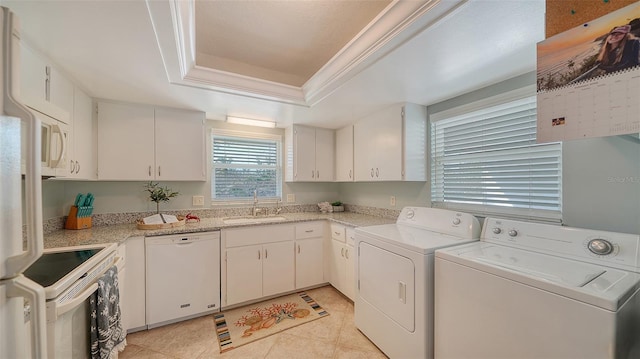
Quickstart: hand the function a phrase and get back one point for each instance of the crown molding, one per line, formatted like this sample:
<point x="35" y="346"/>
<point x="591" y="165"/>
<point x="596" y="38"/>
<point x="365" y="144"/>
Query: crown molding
<point x="174" y="26"/>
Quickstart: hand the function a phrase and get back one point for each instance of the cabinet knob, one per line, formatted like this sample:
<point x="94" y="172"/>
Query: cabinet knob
<point x="349" y="174"/>
<point x="158" y="171"/>
<point x="377" y="172"/>
<point x="371" y="172"/>
<point x="312" y="174"/>
<point x="149" y="171"/>
<point x="77" y="167"/>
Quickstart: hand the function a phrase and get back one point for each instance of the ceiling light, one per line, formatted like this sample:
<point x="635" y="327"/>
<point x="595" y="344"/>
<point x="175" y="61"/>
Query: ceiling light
<point x="250" y="122"/>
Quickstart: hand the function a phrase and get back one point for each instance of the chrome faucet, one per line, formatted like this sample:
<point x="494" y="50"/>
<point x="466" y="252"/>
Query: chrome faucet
<point x="255" y="210"/>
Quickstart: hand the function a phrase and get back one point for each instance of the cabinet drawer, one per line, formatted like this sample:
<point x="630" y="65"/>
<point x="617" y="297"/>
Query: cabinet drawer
<point x="351" y="236"/>
<point x="338" y="232"/>
<point x="309" y="230"/>
<point x="237" y="237"/>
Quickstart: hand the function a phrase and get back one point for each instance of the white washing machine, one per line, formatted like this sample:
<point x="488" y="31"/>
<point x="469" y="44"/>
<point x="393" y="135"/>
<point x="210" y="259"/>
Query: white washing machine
<point x="539" y="291"/>
<point x="394" y="274"/>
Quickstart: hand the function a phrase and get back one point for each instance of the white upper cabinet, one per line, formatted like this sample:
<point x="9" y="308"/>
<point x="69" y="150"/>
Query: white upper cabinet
<point x="138" y="142"/>
<point x="310" y="154"/>
<point x="43" y="87"/>
<point x="390" y="145"/>
<point x="344" y="154"/>
<point x="179" y="138"/>
<point x="82" y="148"/>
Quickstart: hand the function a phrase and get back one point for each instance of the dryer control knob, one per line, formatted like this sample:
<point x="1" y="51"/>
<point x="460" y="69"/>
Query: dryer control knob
<point x="497" y="230"/>
<point x="513" y="233"/>
<point x="410" y="214"/>
<point x="456" y="221"/>
<point x="600" y="246"/>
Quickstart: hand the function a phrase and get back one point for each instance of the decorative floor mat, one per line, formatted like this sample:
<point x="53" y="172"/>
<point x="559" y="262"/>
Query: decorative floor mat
<point x="240" y="326"/>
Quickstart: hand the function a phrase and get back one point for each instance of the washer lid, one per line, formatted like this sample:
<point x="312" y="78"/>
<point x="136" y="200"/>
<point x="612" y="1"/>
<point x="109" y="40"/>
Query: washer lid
<point x="411" y="238"/>
<point x="593" y="284"/>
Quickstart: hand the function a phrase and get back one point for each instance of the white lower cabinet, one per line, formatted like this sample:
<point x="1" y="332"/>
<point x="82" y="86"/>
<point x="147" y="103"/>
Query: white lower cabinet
<point x="342" y="260"/>
<point x="309" y="254"/>
<point x="258" y="261"/>
<point x="133" y="285"/>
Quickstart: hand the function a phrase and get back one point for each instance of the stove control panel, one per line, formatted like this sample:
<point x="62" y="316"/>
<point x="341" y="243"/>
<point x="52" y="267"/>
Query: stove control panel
<point x="612" y="249"/>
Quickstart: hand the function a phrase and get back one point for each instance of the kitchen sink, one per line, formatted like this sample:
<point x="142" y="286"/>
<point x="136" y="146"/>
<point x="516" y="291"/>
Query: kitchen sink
<point x="249" y="219"/>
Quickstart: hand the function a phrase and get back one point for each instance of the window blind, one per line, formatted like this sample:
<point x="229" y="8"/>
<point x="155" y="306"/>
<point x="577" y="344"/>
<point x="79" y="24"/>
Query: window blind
<point x="242" y="165"/>
<point x="487" y="162"/>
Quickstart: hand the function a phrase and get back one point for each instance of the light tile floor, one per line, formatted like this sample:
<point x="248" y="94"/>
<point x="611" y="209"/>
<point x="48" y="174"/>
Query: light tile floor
<point x="334" y="336"/>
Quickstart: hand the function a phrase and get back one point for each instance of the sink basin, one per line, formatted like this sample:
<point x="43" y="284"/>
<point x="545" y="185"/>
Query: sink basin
<point x="245" y="220"/>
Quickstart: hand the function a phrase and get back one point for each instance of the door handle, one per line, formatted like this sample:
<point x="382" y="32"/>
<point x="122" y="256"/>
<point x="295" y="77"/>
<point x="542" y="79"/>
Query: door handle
<point x="76" y="301"/>
<point x="402" y="292"/>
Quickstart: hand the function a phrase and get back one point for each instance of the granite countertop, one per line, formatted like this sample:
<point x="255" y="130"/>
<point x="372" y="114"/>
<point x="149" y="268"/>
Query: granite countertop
<point x="120" y="232"/>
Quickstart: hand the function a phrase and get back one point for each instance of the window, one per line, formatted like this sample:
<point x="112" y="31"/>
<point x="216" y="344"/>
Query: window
<point x="485" y="160"/>
<point x="244" y="162"/>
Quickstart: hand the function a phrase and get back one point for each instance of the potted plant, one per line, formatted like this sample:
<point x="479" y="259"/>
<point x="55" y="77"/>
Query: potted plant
<point x="159" y="194"/>
<point x="337" y="206"/>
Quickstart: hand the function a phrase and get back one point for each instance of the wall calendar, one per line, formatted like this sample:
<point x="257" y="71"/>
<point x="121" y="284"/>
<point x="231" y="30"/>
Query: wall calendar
<point x="588" y="79"/>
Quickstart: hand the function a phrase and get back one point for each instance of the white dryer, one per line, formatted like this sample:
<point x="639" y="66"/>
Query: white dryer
<point x="530" y="290"/>
<point x="394" y="274"/>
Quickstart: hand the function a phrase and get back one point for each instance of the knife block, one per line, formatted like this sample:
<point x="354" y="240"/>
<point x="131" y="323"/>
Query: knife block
<point x="75" y="222"/>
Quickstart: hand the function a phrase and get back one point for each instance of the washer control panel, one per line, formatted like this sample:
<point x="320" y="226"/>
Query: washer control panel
<point x="618" y="250"/>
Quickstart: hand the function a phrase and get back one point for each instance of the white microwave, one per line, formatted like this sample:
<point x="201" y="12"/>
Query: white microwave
<point x="54" y="137"/>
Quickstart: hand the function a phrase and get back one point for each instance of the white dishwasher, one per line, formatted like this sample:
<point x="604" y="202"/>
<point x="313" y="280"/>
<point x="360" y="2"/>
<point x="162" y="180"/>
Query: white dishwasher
<point x="182" y="277"/>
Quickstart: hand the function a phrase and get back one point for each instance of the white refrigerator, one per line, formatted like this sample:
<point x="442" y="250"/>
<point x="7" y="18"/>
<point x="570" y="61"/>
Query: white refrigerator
<point x="20" y="207"/>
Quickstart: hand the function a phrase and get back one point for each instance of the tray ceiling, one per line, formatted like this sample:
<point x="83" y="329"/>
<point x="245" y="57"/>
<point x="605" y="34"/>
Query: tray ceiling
<point x="295" y="52"/>
<point x="280" y="41"/>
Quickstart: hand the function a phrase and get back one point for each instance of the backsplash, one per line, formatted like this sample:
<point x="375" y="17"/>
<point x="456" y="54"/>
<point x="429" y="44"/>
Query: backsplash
<point x="106" y="219"/>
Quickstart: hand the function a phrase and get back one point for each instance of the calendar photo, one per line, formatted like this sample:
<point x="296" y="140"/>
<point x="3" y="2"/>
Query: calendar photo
<point x="588" y="79"/>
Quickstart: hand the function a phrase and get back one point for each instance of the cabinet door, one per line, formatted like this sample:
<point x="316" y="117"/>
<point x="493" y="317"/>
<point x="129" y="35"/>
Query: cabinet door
<point x="33" y="78"/>
<point x="61" y="92"/>
<point x="244" y="274"/>
<point x="387" y="125"/>
<point x="304" y="156"/>
<point x="363" y="156"/>
<point x="344" y="154"/>
<point x="337" y="266"/>
<point x="83" y="161"/>
<point x="278" y="268"/>
<point x="125" y="142"/>
<point x="349" y="288"/>
<point x="325" y="150"/>
<point x="309" y="262"/>
<point x="43" y="87"/>
<point x="179" y="145"/>
<point x="378" y="146"/>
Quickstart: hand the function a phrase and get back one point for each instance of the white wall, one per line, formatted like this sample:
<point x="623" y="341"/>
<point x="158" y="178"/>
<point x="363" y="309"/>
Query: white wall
<point x="601" y="183"/>
<point x="378" y="194"/>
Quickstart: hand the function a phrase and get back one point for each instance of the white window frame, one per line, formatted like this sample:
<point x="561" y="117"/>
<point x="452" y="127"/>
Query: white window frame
<point x="249" y="136"/>
<point x="484" y="209"/>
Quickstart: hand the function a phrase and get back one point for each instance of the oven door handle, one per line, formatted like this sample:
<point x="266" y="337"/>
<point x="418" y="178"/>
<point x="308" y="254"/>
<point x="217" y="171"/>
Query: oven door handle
<point x="60" y="310"/>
